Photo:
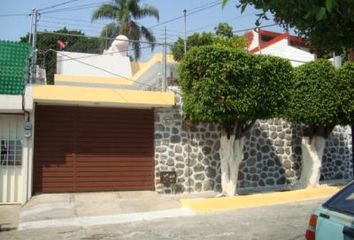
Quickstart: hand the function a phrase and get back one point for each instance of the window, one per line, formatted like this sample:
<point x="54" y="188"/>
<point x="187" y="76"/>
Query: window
<point x="343" y="201"/>
<point x="10" y="152"/>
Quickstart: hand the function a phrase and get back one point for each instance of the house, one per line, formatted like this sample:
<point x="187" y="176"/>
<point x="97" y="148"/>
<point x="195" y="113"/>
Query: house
<point x="279" y="44"/>
<point x="16" y="112"/>
<point x="94" y="128"/>
<point x="107" y="125"/>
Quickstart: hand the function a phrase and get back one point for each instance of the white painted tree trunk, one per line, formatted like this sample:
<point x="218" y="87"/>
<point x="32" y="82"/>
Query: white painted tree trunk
<point x="312" y="152"/>
<point x="231" y="155"/>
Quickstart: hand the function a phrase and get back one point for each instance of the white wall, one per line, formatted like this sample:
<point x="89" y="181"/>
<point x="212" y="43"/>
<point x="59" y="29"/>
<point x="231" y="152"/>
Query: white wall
<point x="13" y="103"/>
<point x="282" y="49"/>
<point x="70" y="63"/>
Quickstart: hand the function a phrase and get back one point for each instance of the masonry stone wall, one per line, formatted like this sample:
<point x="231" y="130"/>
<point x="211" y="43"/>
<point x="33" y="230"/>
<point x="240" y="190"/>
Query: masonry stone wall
<point x="337" y="158"/>
<point x="272" y="154"/>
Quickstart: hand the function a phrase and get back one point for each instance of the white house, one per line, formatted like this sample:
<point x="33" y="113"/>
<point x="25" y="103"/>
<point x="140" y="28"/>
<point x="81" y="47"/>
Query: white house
<point x="279" y="44"/>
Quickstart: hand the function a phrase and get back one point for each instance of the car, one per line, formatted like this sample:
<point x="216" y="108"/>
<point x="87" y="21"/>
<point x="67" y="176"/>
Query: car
<point x="334" y="220"/>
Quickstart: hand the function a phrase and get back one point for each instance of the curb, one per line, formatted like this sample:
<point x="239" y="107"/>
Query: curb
<point x="257" y="200"/>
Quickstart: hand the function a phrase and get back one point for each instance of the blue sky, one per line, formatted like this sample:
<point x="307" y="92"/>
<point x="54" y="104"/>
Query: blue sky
<point x="77" y="15"/>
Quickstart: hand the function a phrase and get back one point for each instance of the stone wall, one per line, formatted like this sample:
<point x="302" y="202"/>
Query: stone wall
<point x="193" y="152"/>
<point x="337" y="158"/>
<point x="272" y="154"/>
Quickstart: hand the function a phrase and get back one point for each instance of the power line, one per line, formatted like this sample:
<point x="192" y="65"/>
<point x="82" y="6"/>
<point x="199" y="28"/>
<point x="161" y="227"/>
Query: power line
<point x="106" y="38"/>
<point x="248" y="29"/>
<point x="107" y="53"/>
<point x="190" y="12"/>
<point x="45" y="27"/>
<point x="58" y="5"/>
<point x="73" y="8"/>
<point x="15" y="15"/>
<point x="72" y="20"/>
<point x="231" y="19"/>
<point x="71" y="24"/>
<point x="102" y="69"/>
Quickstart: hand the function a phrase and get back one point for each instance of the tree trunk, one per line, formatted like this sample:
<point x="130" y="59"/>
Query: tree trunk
<point x="231" y="155"/>
<point x="312" y="152"/>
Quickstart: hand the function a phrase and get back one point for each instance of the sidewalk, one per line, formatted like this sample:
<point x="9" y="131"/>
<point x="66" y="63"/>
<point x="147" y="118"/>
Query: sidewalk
<point x="257" y="200"/>
<point x="86" y="209"/>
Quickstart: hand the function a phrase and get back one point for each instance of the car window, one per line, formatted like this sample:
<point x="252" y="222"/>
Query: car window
<point x="343" y="201"/>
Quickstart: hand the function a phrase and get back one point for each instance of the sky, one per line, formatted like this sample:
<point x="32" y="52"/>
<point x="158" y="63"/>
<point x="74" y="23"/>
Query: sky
<point x="77" y="15"/>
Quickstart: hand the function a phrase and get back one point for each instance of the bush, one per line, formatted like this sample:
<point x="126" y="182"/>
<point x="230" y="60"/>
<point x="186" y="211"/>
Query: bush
<point x="314" y="97"/>
<point x="345" y="79"/>
<point x="222" y="84"/>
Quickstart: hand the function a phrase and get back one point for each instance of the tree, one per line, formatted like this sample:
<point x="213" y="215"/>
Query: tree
<point x="328" y="24"/>
<point x="194" y="40"/>
<point x="78" y="42"/>
<point x="232" y="88"/>
<point x="316" y="102"/>
<point x="224" y="30"/>
<point x="124" y="14"/>
<point x="223" y="37"/>
<point x="345" y="79"/>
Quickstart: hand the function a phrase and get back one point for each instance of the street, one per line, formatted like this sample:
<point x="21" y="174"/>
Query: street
<point x="285" y="222"/>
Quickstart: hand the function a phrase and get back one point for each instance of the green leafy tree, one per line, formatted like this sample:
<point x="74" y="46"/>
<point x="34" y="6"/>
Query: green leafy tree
<point x="345" y="81"/>
<point x="223" y="37"/>
<point x="47" y="41"/>
<point x="194" y="40"/>
<point x="124" y="14"/>
<point x="224" y="30"/>
<point x="232" y="88"/>
<point x="328" y="24"/>
<point x="315" y="101"/>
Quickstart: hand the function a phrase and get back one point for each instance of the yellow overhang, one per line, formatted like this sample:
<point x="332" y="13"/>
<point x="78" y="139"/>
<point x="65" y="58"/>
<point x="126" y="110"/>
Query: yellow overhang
<point x="91" y="79"/>
<point x="101" y="96"/>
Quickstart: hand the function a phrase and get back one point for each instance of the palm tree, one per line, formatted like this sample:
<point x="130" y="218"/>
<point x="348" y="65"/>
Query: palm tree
<point x="124" y="14"/>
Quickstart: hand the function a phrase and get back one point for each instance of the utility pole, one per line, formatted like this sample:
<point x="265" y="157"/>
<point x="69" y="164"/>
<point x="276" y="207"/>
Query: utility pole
<point x="185" y="31"/>
<point x="164" y="63"/>
<point x="34" y="43"/>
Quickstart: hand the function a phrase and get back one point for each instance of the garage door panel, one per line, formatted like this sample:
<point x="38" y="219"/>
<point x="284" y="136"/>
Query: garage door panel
<point x="111" y="158"/>
<point x="93" y="149"/>
<point x="115" y="173"/>
<point x="106" y="169"/>
<point x="113" y="184"/>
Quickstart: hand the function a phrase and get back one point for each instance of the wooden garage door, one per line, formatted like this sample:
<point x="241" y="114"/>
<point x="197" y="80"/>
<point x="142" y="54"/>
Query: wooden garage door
<point x="93" y="149"/>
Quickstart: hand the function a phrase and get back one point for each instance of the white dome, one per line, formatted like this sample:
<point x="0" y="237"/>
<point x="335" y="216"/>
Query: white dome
<point x="121" y="43"/>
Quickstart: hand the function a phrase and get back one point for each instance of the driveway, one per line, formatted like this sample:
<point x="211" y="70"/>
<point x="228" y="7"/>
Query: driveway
<point x="69" y="208"/>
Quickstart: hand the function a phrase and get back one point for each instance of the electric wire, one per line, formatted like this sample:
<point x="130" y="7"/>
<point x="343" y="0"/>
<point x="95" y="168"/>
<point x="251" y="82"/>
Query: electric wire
<point x="73" y="8"/>
<point x="106" y="53"/>
<point x="15" y="15"/>
<point x="106" y="38"/>
<point x="58" y="5"/>
<point x="189" y="12"/>
<point x="70" y="20"/>
<point x="102" y="69"/>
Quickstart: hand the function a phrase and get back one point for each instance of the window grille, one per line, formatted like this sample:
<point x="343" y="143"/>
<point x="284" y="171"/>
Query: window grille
<point x="10" y="152"/>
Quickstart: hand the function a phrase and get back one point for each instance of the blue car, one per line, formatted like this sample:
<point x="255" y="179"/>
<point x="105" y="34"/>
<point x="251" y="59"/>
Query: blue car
<point x="334" y="220"/>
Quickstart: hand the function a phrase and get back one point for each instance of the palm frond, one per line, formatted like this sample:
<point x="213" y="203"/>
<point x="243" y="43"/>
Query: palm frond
<point x="137" y="50"/>
<point x="105" y="11"/>
<point x="147" y="34"/>
<point x="111" y="30"/>
<point x="146" y="11"/>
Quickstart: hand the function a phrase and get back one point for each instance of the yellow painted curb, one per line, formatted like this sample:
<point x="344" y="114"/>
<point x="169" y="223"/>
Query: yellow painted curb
<point x="257" y="200"/>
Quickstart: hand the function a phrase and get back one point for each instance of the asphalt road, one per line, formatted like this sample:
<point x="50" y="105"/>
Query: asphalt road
<point x="283" y="222"/>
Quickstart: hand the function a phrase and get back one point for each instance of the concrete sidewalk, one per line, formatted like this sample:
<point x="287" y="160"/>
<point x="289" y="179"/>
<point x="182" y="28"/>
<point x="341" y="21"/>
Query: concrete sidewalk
<point x="9" y="215"/>
<point x="70" y="205"/>
<point x="257" y="200"/>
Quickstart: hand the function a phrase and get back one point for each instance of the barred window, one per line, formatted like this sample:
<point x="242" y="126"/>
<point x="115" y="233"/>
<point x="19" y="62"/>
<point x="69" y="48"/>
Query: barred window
<point x="10" y="152"/>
